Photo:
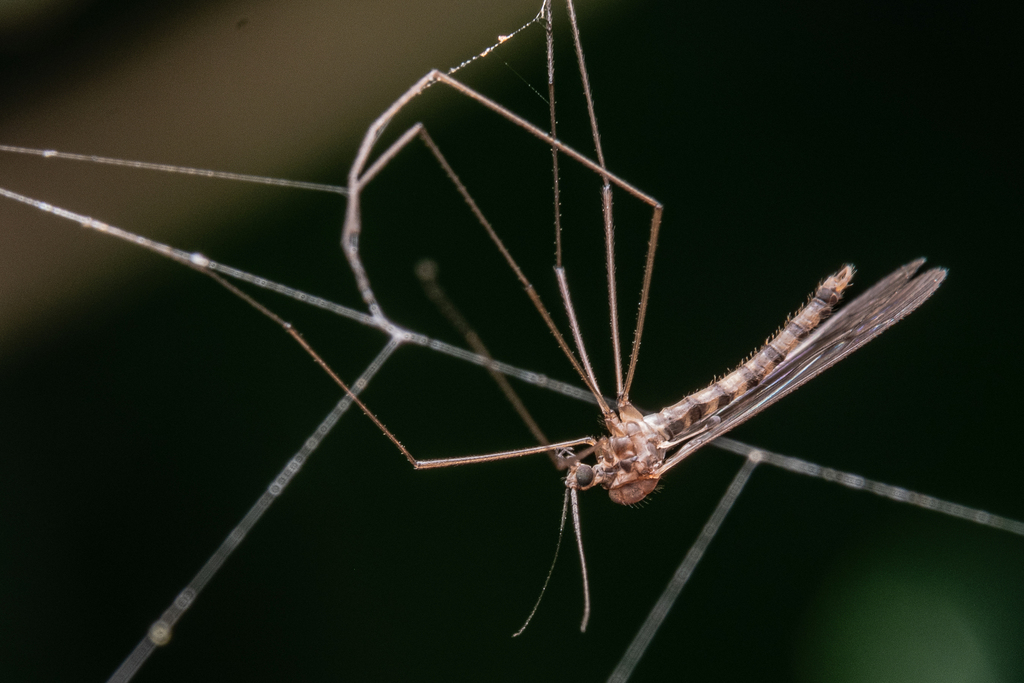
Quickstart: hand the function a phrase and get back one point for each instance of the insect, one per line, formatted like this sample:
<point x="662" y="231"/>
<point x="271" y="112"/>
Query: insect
<point x="370" y="575"/>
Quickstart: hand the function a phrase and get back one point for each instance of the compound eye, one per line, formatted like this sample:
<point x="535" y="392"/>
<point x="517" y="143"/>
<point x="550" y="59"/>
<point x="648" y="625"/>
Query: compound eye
<point x="584" y="475"/>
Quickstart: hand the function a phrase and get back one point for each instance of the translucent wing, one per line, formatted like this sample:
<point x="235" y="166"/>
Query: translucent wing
<point x="853" y="325"/>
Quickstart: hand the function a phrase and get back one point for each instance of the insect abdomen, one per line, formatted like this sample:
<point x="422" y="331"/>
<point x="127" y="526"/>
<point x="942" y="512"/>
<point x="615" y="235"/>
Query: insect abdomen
<point x="700" y="404"/>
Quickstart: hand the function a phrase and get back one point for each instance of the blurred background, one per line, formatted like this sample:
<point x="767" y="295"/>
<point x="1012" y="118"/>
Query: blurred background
<point x="145" y="409"/>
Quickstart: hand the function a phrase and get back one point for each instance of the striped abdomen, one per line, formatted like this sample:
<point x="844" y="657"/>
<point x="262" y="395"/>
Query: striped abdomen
<point x="676" y="418"/>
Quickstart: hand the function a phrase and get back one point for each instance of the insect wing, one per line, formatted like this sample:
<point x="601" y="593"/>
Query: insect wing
<point x="861" y="320"/>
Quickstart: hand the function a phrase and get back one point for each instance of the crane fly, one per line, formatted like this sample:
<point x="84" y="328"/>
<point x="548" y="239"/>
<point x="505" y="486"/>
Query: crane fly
<point x="642" y="448"/>
<point x="638" y="449"/>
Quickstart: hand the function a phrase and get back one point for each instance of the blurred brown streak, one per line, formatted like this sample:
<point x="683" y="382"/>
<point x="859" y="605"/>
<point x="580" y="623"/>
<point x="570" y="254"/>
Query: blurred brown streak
<point x="277" y="89"/>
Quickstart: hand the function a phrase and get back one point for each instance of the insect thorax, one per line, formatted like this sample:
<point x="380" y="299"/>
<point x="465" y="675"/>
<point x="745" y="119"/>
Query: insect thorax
<point x="627" y="459"/>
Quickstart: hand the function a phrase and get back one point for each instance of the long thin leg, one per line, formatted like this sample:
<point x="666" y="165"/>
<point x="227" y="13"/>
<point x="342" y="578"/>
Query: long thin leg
<point x="490" y="457"/>
<point x="418" y="130"/>
<point x="418" y="464"/>
<point x="563" y="286"/>
<point x="585" y="373"/>
<point x="577" y="335"/>
<point x="656" y="206"/>
<point x="358" y="179"/>
<point x="426" y="271"/>
<point x="652" y="245"/>
<point x="549" y="47"/>
<point x="201" y="265"/>
<point x="606" y="201"/>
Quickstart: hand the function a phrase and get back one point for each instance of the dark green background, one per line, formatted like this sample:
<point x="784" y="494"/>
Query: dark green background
<point x="784" y="140"/>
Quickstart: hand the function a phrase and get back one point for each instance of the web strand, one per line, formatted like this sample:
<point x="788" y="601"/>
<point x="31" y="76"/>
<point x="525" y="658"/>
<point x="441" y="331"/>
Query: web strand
<point x="161" y="631"/>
